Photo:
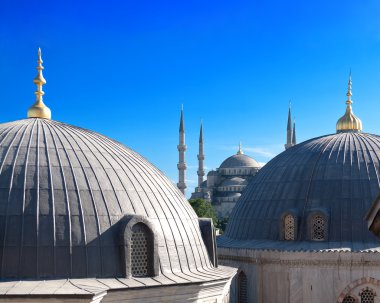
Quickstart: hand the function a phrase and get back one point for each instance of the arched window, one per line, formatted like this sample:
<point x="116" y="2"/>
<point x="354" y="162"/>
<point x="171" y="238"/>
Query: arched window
<point x="141" y="251"/>
<point x="289" y="227"/>
<point x="242" y="288"/>
<point x="318" y="227"/>
<point x="367" y="295"/>
<point x="349" y="299"/>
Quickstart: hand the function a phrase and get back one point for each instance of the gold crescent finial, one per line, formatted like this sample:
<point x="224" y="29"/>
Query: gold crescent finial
<point x="39" y="109"/>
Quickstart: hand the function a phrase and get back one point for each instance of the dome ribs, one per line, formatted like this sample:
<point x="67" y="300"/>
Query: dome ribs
<point x="157" y="189"/>
<point x="5" y="234"/>
<point x="93" y="247"/>
<point x="50" y="178"/>
<point x="56" y="139"/>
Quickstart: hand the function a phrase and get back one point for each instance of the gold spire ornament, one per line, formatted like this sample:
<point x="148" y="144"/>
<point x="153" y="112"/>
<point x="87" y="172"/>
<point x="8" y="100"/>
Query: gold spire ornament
<point x="349" y="122"/>
<point x="39" y="109"/>
<point x="240" y="151"/>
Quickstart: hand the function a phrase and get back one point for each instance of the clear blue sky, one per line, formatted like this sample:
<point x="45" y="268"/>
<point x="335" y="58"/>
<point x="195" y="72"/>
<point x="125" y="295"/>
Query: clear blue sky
<point x="123" y="68"/>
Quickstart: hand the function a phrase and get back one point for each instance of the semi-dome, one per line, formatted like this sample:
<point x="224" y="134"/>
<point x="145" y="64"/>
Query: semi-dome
<point x="335" y="175"/>
<point x="66" y="195"/>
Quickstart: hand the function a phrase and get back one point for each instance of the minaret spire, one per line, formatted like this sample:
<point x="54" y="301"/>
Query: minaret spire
<point x="294" y="141"/>
<point x="39" y="109"/>
<point x="201" y="157"/>
<point x="181" y="150"/>
<point x="289" y="130"/>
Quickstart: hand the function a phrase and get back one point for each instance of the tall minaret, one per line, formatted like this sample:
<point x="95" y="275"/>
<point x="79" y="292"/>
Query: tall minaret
<point x="201" y="157"/>
<point x="289" y="130"/>
<point x="294" y="141"/>
<point x="181" y="150"/>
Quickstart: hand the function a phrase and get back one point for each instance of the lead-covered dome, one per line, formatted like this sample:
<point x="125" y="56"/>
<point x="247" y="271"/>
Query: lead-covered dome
<point x="239" y="160"/>
<point x="64" y="195"/>
<point x="334" y="177"/>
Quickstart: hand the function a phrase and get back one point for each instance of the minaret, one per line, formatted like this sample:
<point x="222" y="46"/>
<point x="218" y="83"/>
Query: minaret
<point x="201" y="157"/>
<point x="39" y="109"/>
<point x="289" y="131"/>
<point x="181" y="150"/>
<point x="294" y="141"/>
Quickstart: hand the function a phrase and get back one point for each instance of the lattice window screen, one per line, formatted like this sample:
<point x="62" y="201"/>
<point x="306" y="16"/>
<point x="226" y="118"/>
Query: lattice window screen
<point x="139" y="251"/>
<point x="242" y="292"/>
<point x="367" y="296"/>
<point x="318" y="226"/>
<point x="289" y="227"/>
<point x="349" y="299"/>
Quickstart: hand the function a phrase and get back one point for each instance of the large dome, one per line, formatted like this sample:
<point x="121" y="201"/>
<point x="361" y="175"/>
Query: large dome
<point x="337" y="175"/>
<point x="64" y="193"/>
<point x="239" y="160"/>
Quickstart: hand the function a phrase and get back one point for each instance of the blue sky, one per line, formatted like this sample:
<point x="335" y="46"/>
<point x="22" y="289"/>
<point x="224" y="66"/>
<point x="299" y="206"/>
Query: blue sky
<point x="123" y="68"/>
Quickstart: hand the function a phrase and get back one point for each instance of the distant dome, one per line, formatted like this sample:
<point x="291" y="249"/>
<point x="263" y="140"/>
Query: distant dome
<point x="239" y="160"/>
<point x="337" y="175"/>
<point x="235" y="181"/>
<point x="63" y="193"/>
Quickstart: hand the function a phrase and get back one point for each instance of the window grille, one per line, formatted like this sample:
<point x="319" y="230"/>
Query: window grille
<point x="367" y="296"/>
<point x="139" y="250"/>
<point x="289" y="227"/>
<point x="242" y="288"/>
<point x="349" y="299"/>
<point x="318" y="226"/>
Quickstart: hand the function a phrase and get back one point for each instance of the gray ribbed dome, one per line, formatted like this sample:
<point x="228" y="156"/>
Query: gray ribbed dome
<point x="335" y="174"/>
<point x="239" y="160"/>
<point x="63" y="190"/>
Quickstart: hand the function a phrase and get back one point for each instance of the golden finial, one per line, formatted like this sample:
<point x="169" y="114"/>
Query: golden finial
<point x="39" y="109"/>
<point x="349" y="122"/>
<point x="240" y="151"/>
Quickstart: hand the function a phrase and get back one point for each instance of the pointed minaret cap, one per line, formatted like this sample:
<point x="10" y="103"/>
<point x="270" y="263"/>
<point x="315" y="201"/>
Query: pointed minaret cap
<point x="39" y="109"/>
<point x="240" y="151"/>
<point x="181" y="123"/>
<point x="349" y="122"/>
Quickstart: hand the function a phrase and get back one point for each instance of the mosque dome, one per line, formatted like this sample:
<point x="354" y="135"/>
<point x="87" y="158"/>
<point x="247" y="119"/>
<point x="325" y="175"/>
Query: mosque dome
<point x="65" y="192"/>
<point x="239" y="160"/>
<point x="335" y="174"/>
<point x="333" y="179"/>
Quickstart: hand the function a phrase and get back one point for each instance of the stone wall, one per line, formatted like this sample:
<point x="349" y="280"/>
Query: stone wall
<point x="297" y="277"/>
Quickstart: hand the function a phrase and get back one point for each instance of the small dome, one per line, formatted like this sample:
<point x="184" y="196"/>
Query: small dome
<point x="235" y="181"/>
<point x="239" y="160"/>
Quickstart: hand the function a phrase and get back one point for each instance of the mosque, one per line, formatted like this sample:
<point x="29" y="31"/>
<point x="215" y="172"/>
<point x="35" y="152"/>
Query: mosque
<point x="299" y="233"/>
<point x="224" y="185"/>
<point x="84" y="218"/>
